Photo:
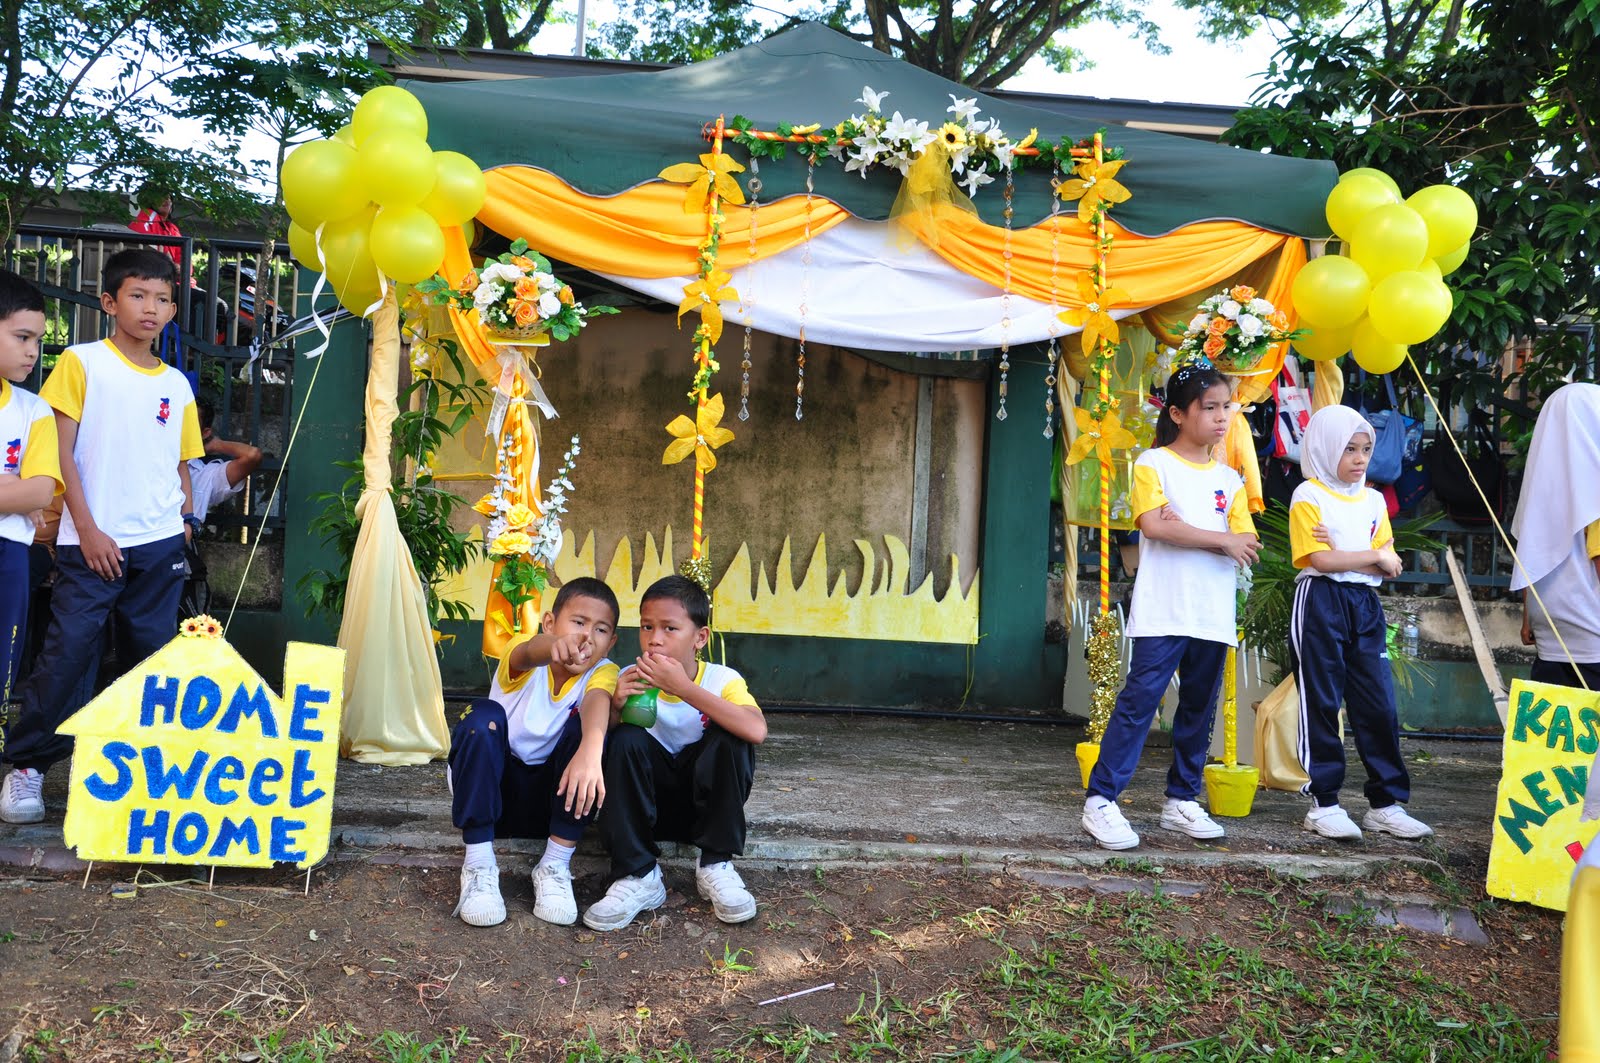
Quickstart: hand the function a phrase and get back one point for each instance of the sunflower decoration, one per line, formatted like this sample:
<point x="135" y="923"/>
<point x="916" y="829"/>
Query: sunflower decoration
<point x="952" y="136"/>
<point x="1096" y="184"/>
<point x="201" y="627"/>
<point x="1098" y="437"/>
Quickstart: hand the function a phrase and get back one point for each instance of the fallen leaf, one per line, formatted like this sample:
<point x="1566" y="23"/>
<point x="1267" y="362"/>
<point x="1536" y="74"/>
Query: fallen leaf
<point x="220" y="923"/>
<point x="912" y="838"/>
<point x="622" y="955"/>
<point x="312" y="934"/>
<point x="786" y="789"/>
<point x="351" y="970"/>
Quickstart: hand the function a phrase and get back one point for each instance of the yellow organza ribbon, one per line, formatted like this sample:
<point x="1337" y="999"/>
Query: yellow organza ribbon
<point x="928" y="186"/>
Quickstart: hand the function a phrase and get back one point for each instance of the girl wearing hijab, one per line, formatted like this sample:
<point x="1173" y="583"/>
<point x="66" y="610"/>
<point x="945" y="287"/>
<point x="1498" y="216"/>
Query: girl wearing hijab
<point x="1557" y="528"/>
<point x="1340" y="539"/>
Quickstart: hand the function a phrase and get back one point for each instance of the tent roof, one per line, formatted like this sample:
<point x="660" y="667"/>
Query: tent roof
<point x="608" y="133"/>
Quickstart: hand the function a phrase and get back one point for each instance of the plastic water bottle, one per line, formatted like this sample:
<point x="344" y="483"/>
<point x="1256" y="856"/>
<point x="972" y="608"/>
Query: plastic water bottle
<point x="1410" y="636"/>
<point x="640" y="708"/>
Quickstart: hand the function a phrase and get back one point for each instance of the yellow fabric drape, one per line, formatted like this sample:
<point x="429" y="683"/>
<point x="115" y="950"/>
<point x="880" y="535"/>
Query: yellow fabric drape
<point x="394" y="698"/>
<point x="644" y="232"/>
<point x="1238" y="452"/>
<point x="1327" y="387"/>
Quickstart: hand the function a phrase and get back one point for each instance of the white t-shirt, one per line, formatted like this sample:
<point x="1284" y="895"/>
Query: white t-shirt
<point x="536" y="712"/>
<point x="27" y="449"/>
<point x="679" y="724"/>
<point x="1181" y="590"/>
<point x="208" y="483"/>
<point x="1572" y="595"/>
<point x="134" y="426"/>
<point x="1354" y="522"/>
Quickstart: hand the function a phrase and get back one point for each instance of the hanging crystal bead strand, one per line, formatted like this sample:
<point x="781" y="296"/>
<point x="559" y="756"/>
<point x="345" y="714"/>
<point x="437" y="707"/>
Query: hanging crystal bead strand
<point x="747" y="289"/>
<point x="1005" y="308"/>
<point x="805" y="293"/>
<point x="1055" y="263"/>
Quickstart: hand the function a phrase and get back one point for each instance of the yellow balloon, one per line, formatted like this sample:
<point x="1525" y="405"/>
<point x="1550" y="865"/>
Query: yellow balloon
<point x="1331" y="291"/>
<point x="320" y="183"/>
<point x="347" y="249"/>
<point x="1450" y="214"/>
<point x="1449" y="263"/>
<point x="356" y="299"/>
<point x="388" y="107"/>
<point x="469" y="232"/>
<point x="1376" y="175"/>
<point x="1374" y="353"/>
<point x="1388" y="240"/>
<point x="458" y="189"/>
<point x="1431" y="268"/>
<point x="345" y="134"/>
<point x="407" y="244"/>
<point x="1325" y="344"/>
<point x="1352" y="200"/>
<point x="396" y="168"/>
<point x="1409" y="307"/>
<point x="303" y="246"/>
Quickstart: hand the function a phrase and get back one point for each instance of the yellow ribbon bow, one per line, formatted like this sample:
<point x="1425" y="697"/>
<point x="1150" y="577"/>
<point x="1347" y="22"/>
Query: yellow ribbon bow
<point x="1100" y="437"/>
<point x="716" y="167"/>
<point x="700" y="436"/>
<point x="1093" y="186"/>
<point x="1094" y="316"/>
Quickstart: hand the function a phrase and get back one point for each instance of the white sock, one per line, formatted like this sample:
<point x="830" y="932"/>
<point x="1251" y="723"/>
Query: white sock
<point x="480" y="854"/>
<point x="1096" y="802"/>
<point x="1172" y="802"/>
<point x="556" y="853"/>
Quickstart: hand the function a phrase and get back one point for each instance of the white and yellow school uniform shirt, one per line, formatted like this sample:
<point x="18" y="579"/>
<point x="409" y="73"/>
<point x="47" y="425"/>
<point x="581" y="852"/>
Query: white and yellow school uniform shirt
<point x="28" y="447"/>
<point x="1181" y="590"/>
<point x="134" y="426"/>
<point x="536" y="709"/>
<point x="679" y="724"/>
<point x="1357" y="521"/>
<point x="1571" y="594"/>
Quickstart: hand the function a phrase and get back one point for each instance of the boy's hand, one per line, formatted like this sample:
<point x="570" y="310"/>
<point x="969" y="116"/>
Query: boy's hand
<point x="1322" y="535"/>
<point x="573" y="652"/>
<point x="666" y="674"/>
<point x="1389" y="562"/>
<point x="583" y="784"/>
<point x="1242" y="547"/>
<point x="1527" y="628"/>
<point x="100" y="553"/>
<point x="629" y="683"/>
<point x="1168" y="513"/>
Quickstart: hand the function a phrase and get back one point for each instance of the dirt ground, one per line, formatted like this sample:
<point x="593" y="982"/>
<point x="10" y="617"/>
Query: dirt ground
<point x="925" y="961"/>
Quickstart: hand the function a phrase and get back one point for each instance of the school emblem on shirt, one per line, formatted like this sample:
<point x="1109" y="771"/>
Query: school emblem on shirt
<point x="1222" y="501"/>
<point x="13" y="456"/>
<point x="1372" y="532"/>
<point x="165" y="411"/>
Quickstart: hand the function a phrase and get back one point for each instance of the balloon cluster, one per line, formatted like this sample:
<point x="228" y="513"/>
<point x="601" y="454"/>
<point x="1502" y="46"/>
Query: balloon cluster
<point x="379" y="196"/>
<point x="1387" y="290"/>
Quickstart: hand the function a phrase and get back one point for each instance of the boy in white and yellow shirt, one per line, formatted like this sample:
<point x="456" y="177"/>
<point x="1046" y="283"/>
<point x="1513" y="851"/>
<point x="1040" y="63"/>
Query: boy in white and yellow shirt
<point x="30" y="465"/>
<point x="525" y="762"/>
<point x="126" y="427"/>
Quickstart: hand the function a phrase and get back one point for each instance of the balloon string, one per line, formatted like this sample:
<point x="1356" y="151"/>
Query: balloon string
<point x="316" y="294"/>
<point x="1489" y="509"/>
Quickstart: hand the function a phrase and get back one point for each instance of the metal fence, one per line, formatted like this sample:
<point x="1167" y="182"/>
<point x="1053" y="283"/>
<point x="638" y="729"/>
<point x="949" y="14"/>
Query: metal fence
<point x="234" y="316"/>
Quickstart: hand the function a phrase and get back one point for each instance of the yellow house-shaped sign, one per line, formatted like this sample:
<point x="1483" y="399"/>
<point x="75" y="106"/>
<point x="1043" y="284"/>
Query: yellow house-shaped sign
<point x="191" y="758"/>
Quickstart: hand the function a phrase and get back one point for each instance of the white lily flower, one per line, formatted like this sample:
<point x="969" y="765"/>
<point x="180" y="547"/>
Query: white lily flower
<point x="872" y="101"/>
<point x="964" y="110"/>
<point x="1003" y="150"/>
<point x="975" y="180"/>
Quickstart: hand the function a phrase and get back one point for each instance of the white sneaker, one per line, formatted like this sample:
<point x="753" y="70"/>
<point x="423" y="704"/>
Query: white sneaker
<point x="21" y="799"/>
<point x="1397" y="821"/>
<point x="626" y="898"/>
<point x="721" y="885"/>
<point x="1189" y="818"/>
<point x="1331" y="821"/>
<point x="480" y="903"/>
<point x="1106" y="825"/>
<point x="552" y="889"/>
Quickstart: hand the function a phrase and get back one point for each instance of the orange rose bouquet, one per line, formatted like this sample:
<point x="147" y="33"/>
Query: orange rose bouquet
<point x="1233" y="330"/>
<point x="517" y="295"/>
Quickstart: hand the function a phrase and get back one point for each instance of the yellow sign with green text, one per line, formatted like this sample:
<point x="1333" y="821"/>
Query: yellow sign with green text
<point x="1551" y="738"/>
<point x="191" y="758"/>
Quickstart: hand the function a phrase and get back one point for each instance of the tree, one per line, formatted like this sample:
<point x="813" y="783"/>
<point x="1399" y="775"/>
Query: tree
<point x="1498" y="97"/>
<point x="88" y="96"/>
<point x="982" y="44"/>
<point x="480" y="23"/>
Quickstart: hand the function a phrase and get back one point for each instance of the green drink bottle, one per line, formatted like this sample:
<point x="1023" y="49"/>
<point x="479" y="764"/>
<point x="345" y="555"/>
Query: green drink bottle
<point x="640" y="708"/>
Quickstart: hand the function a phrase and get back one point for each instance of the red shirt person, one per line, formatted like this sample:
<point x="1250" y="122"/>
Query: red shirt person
<point x="155" y="219"/>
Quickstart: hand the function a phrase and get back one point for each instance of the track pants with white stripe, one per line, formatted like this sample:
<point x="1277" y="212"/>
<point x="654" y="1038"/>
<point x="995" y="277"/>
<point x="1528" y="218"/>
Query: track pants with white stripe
<point x="1339" y="654"/>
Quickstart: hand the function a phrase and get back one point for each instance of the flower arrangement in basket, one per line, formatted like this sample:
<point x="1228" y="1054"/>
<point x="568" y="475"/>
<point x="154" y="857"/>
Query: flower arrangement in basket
<point x="1234" y="329"/>
<point x="525" y="544"/>
<point x="518" y="299"/>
